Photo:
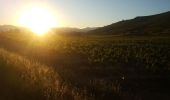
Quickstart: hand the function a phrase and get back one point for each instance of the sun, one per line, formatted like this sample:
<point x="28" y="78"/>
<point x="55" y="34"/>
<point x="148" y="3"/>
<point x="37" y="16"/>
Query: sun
<point x="38" y="19"/>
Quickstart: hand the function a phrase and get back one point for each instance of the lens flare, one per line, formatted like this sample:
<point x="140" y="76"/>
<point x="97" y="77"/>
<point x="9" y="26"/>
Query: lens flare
<point x="38" y="19"/>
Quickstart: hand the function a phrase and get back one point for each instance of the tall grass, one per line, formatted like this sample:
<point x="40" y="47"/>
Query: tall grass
<point x="22" y="79"/>
<point x="89" y="67"/>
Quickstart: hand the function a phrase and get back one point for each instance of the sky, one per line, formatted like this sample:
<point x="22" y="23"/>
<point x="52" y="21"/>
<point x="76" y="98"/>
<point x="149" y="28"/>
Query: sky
<point x="85" y="13"/>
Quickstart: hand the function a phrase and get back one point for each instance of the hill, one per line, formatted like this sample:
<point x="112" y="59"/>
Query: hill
<point x="72" y="31"/>
<point x="142" y="25"/>
<point x="57" y="30"/>
<point x="6" y="28"/>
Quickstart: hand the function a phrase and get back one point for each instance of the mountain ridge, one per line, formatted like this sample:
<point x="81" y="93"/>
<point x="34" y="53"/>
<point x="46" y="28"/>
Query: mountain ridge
<point x="151" y="25"/>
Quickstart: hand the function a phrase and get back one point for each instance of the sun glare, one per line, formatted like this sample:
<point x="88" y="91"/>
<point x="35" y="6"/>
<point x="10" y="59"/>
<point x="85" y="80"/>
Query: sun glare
<point x="38" y="19"/>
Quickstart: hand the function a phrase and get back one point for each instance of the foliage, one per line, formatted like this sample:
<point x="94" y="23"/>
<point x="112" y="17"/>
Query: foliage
<point x="88" y="67"/>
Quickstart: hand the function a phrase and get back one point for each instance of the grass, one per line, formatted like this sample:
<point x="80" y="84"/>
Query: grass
<point x="86" y="67"/>
<point x="29" y="80"/>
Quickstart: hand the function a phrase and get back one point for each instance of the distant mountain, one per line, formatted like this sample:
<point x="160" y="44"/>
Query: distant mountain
<point x="6" y="28"/>
<point x="87" y="29"/>
<point x="69" y="30"/>
<point x="142" y="25"/>
<point x="58" y="30"/>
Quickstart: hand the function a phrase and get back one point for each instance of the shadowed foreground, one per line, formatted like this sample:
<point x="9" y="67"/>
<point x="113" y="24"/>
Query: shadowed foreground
<point x="84" y="68"/>
<point x="22" y="79"/>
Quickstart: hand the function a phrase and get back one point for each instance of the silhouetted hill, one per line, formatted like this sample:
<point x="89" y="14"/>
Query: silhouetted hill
<point x="72" y="31"/>
<point x="87" y="29"/>
<point x="142" y="25"/>
<point x="5" y="28"/>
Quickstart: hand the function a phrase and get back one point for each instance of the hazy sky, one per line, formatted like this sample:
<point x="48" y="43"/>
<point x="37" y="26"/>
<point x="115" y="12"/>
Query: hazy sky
<point x="86" y="13"/>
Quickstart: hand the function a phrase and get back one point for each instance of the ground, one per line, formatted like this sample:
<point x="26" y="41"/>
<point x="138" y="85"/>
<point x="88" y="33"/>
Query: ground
<point x="87" y="67"/>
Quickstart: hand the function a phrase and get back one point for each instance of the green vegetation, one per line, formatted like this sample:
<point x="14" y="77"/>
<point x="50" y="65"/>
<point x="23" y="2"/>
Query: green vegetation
<point x="84" y="67"/>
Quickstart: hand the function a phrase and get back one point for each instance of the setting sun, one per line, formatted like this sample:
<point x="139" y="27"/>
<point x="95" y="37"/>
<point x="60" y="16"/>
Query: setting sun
<point x="38" y="19"/>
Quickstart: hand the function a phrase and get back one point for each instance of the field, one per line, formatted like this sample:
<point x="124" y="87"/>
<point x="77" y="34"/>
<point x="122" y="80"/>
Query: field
<point x="85" y="67"/>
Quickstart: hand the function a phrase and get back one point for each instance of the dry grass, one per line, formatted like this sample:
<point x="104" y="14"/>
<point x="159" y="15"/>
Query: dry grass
<point x="87" y="67"/>
<point x="33" y="80"/>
